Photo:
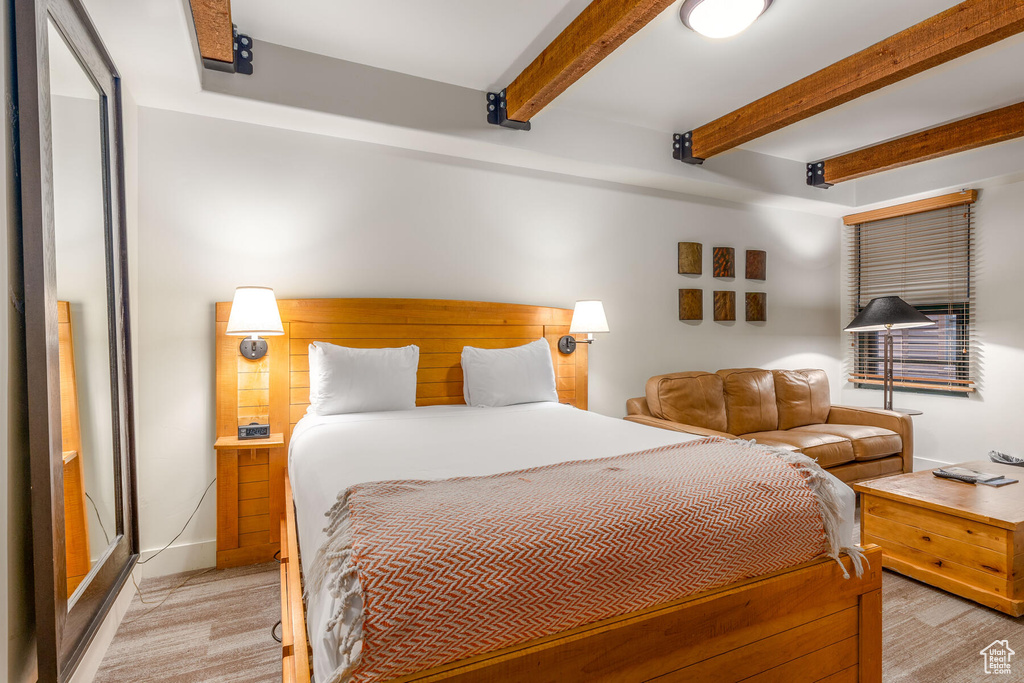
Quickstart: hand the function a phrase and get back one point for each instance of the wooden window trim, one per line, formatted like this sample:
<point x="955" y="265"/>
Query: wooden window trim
<point x="911" y="208"/>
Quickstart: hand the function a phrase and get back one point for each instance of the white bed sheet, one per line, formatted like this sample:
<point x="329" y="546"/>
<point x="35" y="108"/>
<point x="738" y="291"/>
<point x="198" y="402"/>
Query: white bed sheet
<point x="330" y="453"/>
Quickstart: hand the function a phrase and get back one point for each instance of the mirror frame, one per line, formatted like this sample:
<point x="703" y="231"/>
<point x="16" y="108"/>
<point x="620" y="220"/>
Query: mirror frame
<point x="64" y="634"/>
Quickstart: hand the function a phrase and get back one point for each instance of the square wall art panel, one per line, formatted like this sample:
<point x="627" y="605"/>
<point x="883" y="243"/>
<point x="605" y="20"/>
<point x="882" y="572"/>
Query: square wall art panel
<point x="724" y="262"/>
<point x="725" y="306"/>
<point x="757" y="265"/>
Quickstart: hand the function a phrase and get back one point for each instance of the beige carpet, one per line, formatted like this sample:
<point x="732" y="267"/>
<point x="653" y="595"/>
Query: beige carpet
<point x="217" y="628"/>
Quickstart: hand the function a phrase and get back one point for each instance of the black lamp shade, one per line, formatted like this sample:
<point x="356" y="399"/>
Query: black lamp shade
<point x="888" y="312"/>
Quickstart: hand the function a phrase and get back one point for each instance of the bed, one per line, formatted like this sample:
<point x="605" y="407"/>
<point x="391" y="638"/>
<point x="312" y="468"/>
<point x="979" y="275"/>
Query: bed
<point x="804" y="622"/>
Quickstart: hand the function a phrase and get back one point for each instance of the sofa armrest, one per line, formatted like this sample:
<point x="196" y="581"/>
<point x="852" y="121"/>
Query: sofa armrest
<point x="675" y="426"/>
<point x="886" y="419"/>
<point x="638" y="406"/>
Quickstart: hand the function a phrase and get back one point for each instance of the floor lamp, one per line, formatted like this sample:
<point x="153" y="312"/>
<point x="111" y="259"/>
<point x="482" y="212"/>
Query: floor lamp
<point x="888" y="313"/>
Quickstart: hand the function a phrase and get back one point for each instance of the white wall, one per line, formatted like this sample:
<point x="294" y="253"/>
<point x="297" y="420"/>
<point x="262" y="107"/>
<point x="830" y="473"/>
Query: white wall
<point x="955" y="429"/>
<point x="224" y="204"/>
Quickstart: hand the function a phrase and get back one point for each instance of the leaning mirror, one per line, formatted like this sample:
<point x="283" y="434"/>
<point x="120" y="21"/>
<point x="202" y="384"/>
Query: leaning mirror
<point x="78" y="367"/>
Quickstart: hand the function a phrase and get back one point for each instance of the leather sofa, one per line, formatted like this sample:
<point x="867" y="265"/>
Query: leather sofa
<point x="790" y="409"/>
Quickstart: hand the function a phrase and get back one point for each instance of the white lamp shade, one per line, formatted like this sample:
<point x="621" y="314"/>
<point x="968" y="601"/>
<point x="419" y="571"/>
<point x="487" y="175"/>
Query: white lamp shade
<point x="254" y="312"/>
<point x="588" y="317"/>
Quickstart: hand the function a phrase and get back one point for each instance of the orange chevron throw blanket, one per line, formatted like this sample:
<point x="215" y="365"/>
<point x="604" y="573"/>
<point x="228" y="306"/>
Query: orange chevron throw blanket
<point x="448" y="569"/>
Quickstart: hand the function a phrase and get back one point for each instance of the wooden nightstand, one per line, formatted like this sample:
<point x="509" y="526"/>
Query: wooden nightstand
<point x="248" y="510"/>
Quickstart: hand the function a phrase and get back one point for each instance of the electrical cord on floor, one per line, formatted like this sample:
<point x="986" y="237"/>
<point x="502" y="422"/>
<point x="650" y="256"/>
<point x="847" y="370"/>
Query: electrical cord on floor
<point x="140" y="562"/>
<point x="273" y="632"/>
<point x="169" y="593"/>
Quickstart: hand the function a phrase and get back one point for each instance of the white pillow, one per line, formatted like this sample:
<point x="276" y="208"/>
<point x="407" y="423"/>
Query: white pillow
<point x="505" y="377"/>
<point x="344" y="380"/>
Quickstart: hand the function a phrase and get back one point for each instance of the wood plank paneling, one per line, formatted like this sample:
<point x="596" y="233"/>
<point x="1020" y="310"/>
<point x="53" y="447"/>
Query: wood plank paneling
<point x="774" y="651"/>
<point x="455" y="344"/>
<point x="813" y="666"/>
<point x="411" y="311"/>
<point x="848" y="675"/>
<point x="256" y="489"/>
<point x="253" y="380"/>
<point x="943" y="567"/>
<point x="228" y="494"/>
<point x="255" y="538"/>
<point x="253" y="473"/>
<point x="329" y="331"/>
<point x="254" y="506"/>
<point x="253" y="554"/>
<point x="280" y="378"/>
<point x="870" y="621"/>
<point x="255" y="456"/>
<point x="967" y="554"/>
<point x="253" y="398"/>
<point x="968" y="531"/>
<point x="253" y="523"/>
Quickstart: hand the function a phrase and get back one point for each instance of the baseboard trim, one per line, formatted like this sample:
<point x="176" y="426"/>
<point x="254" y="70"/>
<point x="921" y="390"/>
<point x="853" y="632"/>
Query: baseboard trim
<point x="928" y="464"/>
<point x="177" y="558"/>
<point x="93" y="657"/>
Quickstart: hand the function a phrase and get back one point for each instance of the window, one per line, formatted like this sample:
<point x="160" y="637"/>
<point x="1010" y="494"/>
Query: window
<point x="926" y="259"/>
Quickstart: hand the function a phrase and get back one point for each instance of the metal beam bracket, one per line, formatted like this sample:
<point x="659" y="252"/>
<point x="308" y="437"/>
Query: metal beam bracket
<point x="496" y="107"/>
<point x="816" y="175"/>
<point x="682" y="149"/>
<point x="243" y="52"/>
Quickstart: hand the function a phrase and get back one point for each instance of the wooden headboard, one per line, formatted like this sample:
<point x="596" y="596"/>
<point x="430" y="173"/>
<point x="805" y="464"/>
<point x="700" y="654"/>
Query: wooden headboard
<point x="275" y="388"/>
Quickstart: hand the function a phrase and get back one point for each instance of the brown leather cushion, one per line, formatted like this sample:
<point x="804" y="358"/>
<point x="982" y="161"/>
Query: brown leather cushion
<point x="749" y="400"/>
<point x="637" y="406"/>
<point x="858" y="471"/>
<point x="828" y="449"/>
<point x="869" y="443"/>
<point x="693" y="398"/>
<point x="802" y="396"/>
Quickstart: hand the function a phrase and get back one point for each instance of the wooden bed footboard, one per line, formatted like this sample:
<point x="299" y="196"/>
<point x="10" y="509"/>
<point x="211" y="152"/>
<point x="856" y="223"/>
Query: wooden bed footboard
<point x="295" y="653"/>
<point x="805" y="623"/>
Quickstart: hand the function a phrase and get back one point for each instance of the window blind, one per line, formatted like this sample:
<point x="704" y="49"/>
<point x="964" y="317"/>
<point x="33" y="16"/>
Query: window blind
<point x="927" y="259"/>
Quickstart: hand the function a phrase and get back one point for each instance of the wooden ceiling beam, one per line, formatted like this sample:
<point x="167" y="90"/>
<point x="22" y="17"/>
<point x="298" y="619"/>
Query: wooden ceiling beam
<point x="960" y="136"/>
<point x="962" y="29"/>
<point x="592" y="36"/>
<point x="214" y="34"/>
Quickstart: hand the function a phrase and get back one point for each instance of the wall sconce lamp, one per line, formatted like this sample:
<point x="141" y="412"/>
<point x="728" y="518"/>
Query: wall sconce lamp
<point x="587" y="317"/>
<point x="253" y="313"/>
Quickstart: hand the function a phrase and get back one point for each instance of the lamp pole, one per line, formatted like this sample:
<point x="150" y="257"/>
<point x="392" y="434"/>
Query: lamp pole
<point x="887" y="381"/>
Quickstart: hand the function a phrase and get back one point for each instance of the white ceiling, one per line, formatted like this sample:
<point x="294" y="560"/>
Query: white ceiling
<point x="473" y="43"/>
<point x="612" y="125"/>
<point x="666" y="77"/>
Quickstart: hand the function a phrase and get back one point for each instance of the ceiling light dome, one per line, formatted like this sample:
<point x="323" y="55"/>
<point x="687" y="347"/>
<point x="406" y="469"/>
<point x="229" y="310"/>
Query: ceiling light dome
<point x="721" y="18"/>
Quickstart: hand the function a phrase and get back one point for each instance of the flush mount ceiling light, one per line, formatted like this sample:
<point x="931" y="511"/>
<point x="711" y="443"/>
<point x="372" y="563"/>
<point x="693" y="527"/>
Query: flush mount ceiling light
<point x="721" y="18"/>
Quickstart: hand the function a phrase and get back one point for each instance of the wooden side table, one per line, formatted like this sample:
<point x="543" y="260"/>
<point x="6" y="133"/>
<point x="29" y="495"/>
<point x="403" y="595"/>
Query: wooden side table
<point x="248" y="511"/>
<point x="966" y="539"/>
